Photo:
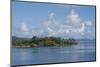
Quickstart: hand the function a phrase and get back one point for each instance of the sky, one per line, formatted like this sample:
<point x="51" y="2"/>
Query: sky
<point x="57" y="20"/>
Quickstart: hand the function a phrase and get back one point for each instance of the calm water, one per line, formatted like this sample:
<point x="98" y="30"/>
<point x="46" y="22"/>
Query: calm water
<point x="85" y="51"/>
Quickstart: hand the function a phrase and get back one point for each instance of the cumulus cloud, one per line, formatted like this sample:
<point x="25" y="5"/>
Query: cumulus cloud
<point x="73" y="17"/>
<point x="24" y="28"/>
<point x="76" y="23"/>
<point x="51" y="25"/>
<point x="73" y="25"/>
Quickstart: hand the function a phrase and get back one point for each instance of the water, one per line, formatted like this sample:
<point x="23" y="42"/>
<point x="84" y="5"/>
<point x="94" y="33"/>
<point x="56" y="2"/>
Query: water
<point x="84" y="51"/>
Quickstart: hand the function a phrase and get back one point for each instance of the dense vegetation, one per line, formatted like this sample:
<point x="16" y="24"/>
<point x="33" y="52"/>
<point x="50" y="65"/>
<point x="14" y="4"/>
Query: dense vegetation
<point x="42" y="42"/>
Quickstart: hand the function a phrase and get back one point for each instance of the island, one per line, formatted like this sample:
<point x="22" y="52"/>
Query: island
<point x="42" y="42"/>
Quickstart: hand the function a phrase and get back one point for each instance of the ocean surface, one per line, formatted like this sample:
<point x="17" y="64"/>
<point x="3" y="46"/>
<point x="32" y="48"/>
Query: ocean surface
<point x="84" y="51"/>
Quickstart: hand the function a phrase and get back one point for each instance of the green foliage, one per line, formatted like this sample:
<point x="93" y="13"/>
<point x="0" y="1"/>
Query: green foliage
<point x="43" y="42"/>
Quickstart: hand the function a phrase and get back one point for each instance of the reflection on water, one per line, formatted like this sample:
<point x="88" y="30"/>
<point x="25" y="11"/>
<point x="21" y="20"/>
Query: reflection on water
<point x="41" y="55"/>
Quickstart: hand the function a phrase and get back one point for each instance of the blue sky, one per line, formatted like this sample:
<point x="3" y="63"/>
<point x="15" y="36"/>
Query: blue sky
<point x="41" y="19"/>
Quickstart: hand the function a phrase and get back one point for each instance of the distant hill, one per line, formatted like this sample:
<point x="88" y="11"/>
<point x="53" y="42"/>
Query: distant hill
<point x="19" y="38"/>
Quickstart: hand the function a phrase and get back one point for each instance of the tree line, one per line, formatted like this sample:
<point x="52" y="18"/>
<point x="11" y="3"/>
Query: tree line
<point x="42" y="42"/>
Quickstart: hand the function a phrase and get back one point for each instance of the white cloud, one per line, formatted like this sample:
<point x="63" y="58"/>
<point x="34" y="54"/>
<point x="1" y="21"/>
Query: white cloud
<point x="24" y="28"/>
<point x="76" y="23"/>
<point x="73" y="25"/>
<point x="73" y="17"/>
<point x="88" y="23"/>
<point x="23" y="31"/>
<point x="51" y="25"/>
